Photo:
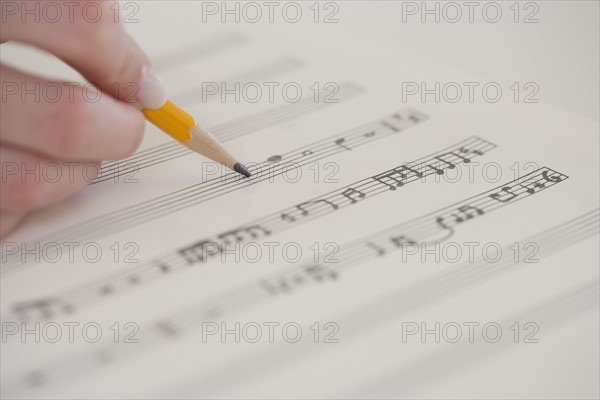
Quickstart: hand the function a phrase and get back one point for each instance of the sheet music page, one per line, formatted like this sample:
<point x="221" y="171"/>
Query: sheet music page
<point x="410" y="230"/>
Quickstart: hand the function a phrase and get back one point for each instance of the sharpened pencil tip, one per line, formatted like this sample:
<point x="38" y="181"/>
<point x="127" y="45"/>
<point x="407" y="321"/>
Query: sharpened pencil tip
<point x="241" y="168"/>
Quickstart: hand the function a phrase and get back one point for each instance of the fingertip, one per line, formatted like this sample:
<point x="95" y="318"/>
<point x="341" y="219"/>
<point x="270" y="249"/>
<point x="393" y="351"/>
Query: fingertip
<point x="152" y="93"/>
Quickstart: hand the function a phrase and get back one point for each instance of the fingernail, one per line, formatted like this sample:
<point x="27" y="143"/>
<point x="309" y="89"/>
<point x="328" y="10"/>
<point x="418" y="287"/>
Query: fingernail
<point x="151" y="89"/>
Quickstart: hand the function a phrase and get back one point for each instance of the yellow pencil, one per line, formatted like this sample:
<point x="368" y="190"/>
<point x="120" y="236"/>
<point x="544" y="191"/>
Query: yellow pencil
<point x="183" y="128"/>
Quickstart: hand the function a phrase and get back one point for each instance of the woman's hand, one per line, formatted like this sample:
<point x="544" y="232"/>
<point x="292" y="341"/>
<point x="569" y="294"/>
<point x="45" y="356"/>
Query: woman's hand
<point x="64" y="135"/>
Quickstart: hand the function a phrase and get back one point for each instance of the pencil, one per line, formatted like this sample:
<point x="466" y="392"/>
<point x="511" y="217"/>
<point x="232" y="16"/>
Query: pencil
<point x="183" y="128"/>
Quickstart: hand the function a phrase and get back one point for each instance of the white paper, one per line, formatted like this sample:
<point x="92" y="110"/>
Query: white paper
<point x="485" y="175"/>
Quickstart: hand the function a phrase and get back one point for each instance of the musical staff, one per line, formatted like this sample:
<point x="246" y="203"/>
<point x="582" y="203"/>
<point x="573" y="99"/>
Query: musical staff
<point x="455" y="279"/>
<point x="554" y="313"/>
<point x="225" y="131"/>
<point x="416" y="296"/>
<point x="199" y="50"/>
<point x="259" y="74"/>
<point x="135" y="215"/>
<point x="203" y="250"/>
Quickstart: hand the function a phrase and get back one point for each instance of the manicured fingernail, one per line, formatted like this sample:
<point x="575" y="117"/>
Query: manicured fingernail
<point x="151" y="89"/>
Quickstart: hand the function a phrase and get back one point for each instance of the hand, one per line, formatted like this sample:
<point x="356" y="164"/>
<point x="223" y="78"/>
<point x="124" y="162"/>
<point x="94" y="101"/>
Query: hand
<point x="76" y="130"/>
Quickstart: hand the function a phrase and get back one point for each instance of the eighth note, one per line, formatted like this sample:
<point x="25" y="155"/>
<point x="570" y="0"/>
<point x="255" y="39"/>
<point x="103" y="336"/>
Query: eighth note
<point x="340" y="142"/>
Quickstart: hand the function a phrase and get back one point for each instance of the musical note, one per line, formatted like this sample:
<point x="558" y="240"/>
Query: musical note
<point x="351" y="191"/>
<point x="307" y="153"/>
<point x="340" y="142"/>
<point x="320" y="273"/>
<point x="378" y="249"/>
<point x="411" y="170"/>
<point x="416" y="117"/>
<point x="448" y="164"/>
<point x="239" y="234"/>
<point x="440" y="222"/>
<point x="391" y="175"/>
<point x="313" y="273"/>
<point x="401" y="240"/>
<point x="303" y="209"/>
<point x="106" y="289"/>
<point x="463" y="213"/>
<point x="197" y="252"/>
<point x="276" y="287"/>
<point x="390" y="126"/>
<point x="274" y="159"/>
<point x="532" y="187"/>
<point x="164" y="267"/>
<point x="370" y="134"/>
<point x="167" y="328"/>
<point x="464" y="150"/>
<point x="466" y="212"/>
<point x="44" y="308"/>
<point x="504" y="191"/>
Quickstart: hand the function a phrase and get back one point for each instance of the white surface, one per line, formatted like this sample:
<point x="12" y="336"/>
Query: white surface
<point x="560" y="53"/>
<point x="522" y="133"/>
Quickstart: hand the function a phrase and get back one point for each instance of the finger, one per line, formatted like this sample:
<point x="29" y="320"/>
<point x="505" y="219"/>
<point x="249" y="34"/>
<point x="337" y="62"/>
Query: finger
<point x="31" y="181"/>
<point x="8" y="222"/>
<point x="88" y="36"/>
<point x="65" y="122"/>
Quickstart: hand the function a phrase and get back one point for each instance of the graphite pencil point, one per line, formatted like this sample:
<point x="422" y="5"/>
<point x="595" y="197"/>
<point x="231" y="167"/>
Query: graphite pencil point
<point x="241" y="168"/>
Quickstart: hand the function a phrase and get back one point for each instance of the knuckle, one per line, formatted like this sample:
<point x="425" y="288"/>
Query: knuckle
<point x="95" y="29"/>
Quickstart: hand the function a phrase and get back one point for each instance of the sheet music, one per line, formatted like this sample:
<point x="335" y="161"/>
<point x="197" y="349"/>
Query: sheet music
<point x="368" y="216"/>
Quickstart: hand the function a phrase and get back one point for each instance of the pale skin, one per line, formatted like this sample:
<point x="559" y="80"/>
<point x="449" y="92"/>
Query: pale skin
<point x="71" y="132"/>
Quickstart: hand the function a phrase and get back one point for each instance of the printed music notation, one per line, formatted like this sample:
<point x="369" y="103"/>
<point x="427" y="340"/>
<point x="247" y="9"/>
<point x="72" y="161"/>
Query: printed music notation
<point x="135" y="215"/>
<point x="203" y="250"/>
<point x="422" y="229"/>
